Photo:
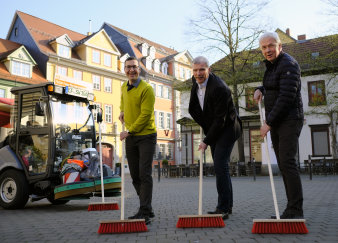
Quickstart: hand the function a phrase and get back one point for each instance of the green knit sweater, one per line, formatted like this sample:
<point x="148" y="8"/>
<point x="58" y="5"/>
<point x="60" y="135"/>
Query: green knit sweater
<point x="138" y="107"/>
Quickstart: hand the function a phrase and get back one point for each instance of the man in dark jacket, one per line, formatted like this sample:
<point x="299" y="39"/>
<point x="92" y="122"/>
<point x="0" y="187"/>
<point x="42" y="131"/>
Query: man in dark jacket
<point x="284" y="116"/>
<point x="211" y="106"/>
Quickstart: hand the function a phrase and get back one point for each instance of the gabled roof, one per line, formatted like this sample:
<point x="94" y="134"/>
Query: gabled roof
<point x="44" y="32"/>
<point x="135" y="41"/>
<point x="85" y="41"/>
<point x="7" y="48"/>
<point x="139" y="40"/>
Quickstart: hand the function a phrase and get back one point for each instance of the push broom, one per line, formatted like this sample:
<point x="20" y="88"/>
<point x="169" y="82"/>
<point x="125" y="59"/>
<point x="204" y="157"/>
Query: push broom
<point x="123" y="225"/>
<point x="200" y="221"/>
<point x="278" y="225"/>
<point x="101" y="206"/>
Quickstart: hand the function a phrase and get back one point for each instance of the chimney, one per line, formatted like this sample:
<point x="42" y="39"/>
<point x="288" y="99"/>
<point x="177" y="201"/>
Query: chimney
<point x="287" y="31"/>
<point x="302" y="37"/>
<point x="90" y="28"/>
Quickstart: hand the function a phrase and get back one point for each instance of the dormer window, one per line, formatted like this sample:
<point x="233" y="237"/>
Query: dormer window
<point x="64" y="51"/>
<point x="148" y="62"/>
<point x="21" y="69"/>
<point x="157" y="65"/>
<point x="152" y="51"/>
<point x="144" y="49"/>
<point x="164" y="68"/>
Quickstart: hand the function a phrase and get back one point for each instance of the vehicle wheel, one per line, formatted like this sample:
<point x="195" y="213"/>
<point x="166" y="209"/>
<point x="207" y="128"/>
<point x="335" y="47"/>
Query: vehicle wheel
<point x="56" y="201"/>
<point x="13" y="189"/>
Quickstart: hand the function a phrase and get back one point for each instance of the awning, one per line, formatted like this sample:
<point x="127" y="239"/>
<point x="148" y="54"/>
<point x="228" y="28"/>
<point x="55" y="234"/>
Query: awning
<point x="5" y="108"/>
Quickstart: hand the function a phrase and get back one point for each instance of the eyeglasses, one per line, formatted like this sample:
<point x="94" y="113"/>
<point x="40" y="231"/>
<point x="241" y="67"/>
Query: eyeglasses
<point x="131" y="67"/>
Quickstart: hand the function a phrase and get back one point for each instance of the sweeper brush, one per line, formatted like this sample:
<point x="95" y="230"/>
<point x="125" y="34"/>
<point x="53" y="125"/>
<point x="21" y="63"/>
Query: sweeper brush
<point x="123" y="225"/>
<point x="200" y="221"/>
<point x="276" y="226"/>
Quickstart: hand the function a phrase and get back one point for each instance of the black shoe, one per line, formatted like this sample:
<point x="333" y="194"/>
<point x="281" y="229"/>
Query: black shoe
<point x="225" y="215"/>
<point x="140" y="215"/>
<point x="287" y="215"/>
<point x="151" y="214"/>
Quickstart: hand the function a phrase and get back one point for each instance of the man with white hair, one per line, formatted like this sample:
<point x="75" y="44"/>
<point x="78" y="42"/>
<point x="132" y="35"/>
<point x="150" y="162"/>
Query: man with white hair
<point x="283" y="116"/>
<point x="211" y="106"/>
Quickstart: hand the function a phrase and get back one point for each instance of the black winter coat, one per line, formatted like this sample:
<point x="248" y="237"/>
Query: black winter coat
<point x="219" y="114"/>
<point x="281" y="90"/>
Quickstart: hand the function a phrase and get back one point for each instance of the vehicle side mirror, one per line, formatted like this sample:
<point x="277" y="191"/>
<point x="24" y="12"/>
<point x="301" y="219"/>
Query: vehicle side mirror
<point x="40" y="108"/>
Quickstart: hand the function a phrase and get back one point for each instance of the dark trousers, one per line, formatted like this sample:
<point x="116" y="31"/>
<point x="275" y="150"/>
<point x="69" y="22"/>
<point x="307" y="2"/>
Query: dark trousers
<point x="220" y="152"/>
<point x="285" y="143"/>
<point x="140" y="151"/>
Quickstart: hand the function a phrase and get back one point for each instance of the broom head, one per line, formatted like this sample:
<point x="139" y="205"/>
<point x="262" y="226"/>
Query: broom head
<point x="100" y="206"/>
<point x="200" y="221"/>
<point x="279" y="226"/>
<point x="122" y="226"/>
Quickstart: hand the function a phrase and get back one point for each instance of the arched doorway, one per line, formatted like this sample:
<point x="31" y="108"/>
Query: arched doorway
<point x="107" y="154"/>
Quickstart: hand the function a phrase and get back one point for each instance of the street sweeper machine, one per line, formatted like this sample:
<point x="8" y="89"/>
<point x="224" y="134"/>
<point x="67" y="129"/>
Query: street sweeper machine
<point x="50" y="151"/>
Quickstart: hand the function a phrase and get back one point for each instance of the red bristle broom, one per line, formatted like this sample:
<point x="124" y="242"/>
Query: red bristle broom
<point x="200" y="221"/>
<point x="278" y="225"/>
<point x="123" y="225"/>
<point x="101" y="206"/>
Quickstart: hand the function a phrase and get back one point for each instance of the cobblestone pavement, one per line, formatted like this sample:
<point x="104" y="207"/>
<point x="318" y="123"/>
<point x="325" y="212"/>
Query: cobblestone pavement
<point x="43" y="222"/>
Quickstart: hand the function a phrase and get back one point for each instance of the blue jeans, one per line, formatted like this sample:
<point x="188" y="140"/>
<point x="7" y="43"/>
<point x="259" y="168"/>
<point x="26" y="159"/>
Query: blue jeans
<point x="220" y="152"/>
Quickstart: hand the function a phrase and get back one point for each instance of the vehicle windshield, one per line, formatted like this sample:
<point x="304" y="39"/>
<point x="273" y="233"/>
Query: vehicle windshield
<point x="74" y="128"/>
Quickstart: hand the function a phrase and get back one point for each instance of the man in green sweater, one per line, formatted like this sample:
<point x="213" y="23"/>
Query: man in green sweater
<point x="137" y="112"/>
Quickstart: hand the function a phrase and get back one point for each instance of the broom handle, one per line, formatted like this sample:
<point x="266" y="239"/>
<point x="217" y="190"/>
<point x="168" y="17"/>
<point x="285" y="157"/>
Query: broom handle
<point x="122" y="177"/>
<point x="101" y="164"/>
<point x="269" y="165"/>
<point x="200" y="193"/>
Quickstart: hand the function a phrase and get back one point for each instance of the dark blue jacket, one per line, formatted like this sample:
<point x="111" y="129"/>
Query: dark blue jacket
<point x="281" y="90"/>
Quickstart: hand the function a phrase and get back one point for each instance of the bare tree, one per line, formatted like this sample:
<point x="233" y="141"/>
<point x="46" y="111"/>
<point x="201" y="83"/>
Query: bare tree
<point x="230" y="27"/>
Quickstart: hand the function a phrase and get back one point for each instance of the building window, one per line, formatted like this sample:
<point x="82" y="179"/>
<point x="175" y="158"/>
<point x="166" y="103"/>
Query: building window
<point x="250" y="103"/>
<point x="21" y="69"/>
<point x="96" y="56"/>
<point x="160" y="90"/>
<point x="64" y="51"/>
<point x="170" y="153"/>
<point x="2" y="93"/>
<point x="188" y="74"/>
<point x="168" y="121"/>
<point x="148" y="61"/>
<point x="107" y="85"/>
<point x="107" y="59"/>
<point x="320" y="140"/>
<point x="161" y="120"/>
<point x="157" y="65"/>
<point x="77" y="75"/>
<point x="108" y="113"/>
<point x="152" y="51"/>
<point x="182" y="74"/>
<point x="61" y="70"/>
<point x="162" y="151"/>
<point x="316" y="91"/>
<point x="98" y="105"/>
<point x="164" y="68"/>
<point x="144" y="49"/>
<point x="16" y="31"/>
<point x="154" y="87"/>
<point x="96" y="82"/>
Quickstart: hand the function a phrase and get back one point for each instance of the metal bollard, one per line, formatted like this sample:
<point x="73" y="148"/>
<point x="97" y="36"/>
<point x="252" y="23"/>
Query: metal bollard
<point x="310" y="167"/>
<point x="159" y="171"/>
<point x="254" y="168"/>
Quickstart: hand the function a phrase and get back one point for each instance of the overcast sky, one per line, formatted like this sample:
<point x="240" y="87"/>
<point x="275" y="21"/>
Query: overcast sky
<point x="164" y="22"/>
